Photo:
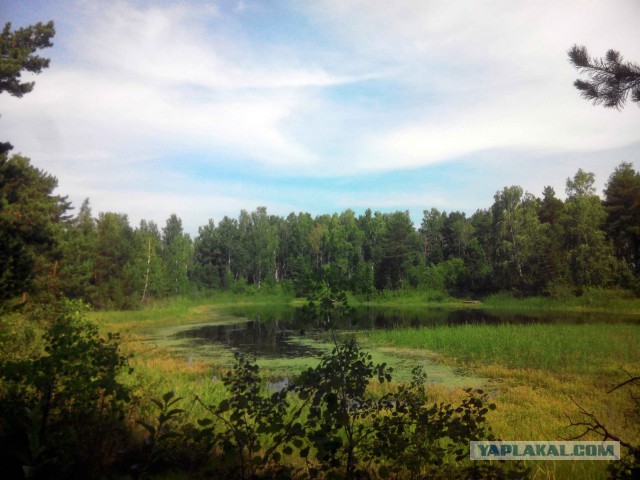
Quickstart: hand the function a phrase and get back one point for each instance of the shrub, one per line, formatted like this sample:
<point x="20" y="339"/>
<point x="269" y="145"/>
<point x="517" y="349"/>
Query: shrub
<point x="64" y="409"/>
<point x="352" y="433"/>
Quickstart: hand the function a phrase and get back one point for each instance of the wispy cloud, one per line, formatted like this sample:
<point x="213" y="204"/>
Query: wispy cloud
<point x="144" y="81"/>
<point x="488" y="75"/>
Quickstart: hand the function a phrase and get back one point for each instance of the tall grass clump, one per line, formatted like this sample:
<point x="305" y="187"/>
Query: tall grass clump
<point x="555" y="347"/>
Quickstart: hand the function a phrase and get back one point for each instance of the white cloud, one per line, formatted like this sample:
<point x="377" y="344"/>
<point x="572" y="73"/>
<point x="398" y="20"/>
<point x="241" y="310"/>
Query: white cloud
<point x="144" y="82"/>
<point x="488" y="75"/>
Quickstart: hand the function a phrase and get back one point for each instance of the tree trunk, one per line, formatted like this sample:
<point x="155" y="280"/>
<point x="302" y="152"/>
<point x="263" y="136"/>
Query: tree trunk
<point x="146" y="277"/>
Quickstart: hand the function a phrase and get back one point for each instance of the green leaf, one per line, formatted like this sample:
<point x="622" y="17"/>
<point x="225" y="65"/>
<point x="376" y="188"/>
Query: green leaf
<point x="175" y="411"/>
<point x="168" y="396"/>
<point x="149" y="428"/>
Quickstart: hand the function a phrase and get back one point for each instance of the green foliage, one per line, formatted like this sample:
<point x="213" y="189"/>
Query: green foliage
<point x="432" y="232"/>
<point x="17" y="54"/>
<point x="252" y="430"/>
<point x="611" y="80"/>
<point x="207" y="258"/>
<point x="159" y="451"/>
<point x="112" y="280"/>
<point x="64" y="406"/>
<point x="177" y="255"/>
<point x="432" y="441"/>
<point x="518" y="234"/>
<point x="589" y="253"/>
<point x="147" y="268"/>
<point x="330" y="417"/>
<point x="339" y="405"/>
<point x="447" y="276"/>
<point x="30" y="216"/>
<point x="326" y="303"/>
<point x="351" y="432"/>
<point x="364" y="279"/>
<point x="523" y="244"/>
<point x="78" y="243"/>
<point x="400" y="250"/>
<point x="622" y="204"/>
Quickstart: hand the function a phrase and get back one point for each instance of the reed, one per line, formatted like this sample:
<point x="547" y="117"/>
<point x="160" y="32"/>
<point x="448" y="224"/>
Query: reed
<point x="555" y="347"/>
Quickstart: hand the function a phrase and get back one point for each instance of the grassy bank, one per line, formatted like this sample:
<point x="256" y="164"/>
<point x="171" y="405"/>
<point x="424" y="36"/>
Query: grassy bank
<point x="537" y="373"/>
<point x="597" y="300"/>
<point x="187" y="309"/>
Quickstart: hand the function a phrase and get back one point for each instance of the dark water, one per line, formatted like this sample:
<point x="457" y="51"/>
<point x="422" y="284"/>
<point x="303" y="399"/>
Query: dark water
<point x="279" y="332"/>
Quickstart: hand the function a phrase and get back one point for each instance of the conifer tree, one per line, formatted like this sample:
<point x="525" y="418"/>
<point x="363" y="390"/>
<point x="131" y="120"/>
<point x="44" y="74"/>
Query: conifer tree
<point x="611" y="79"/>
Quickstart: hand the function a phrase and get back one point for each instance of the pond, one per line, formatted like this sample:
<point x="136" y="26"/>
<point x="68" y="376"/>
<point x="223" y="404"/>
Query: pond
<point x="284" y="332"/>
<point x="285" y="343"/>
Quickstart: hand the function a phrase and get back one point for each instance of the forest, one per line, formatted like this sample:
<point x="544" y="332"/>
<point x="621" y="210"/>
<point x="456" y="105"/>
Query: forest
<point x="528" y="245"/>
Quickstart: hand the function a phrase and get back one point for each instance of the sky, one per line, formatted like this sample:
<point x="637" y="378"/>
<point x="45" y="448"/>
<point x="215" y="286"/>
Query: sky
<point x="205" y="108"/>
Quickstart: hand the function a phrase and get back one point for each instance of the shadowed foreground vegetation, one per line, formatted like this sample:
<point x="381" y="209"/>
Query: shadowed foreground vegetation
<point x="533" y="373"/>
<point x="68" y="413"/>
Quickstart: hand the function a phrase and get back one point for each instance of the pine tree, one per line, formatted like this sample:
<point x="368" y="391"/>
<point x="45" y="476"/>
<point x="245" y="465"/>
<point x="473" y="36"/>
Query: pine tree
<point x="622" y="204"/>
<point x="78" y="247"/>
<point x="30" y="219"/>
<point x="177" y="255"/>
<point x="17" y="54"/>
<point x="611" y="80"/>
<point x="114" y="252"/>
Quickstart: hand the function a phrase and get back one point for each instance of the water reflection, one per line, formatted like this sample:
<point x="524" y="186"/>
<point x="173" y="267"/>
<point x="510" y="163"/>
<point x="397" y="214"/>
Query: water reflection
<point x="272" y="339"/>
<point x="277" y="332"/>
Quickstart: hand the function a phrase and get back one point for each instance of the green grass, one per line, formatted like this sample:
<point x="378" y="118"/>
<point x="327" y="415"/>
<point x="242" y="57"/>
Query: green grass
<point x="564" y="347"/>
<point x="535" y="373"/>
<point x="592" y="300"/>
<point x="595" y="300"/>
<point x="408" y="297"/>
<point x="188" y="309"/>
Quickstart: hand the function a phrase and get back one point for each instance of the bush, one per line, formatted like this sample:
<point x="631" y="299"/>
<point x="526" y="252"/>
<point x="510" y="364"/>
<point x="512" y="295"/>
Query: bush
<point x="560" y="290"/>
<point x="331" y="418"/>
<point x="63" y="409"/>
<point x="352" y="433"/>
<point x="604" y="297"/>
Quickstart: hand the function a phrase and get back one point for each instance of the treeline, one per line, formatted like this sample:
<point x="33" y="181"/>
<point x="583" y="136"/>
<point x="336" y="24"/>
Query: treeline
<point x="522" y="243"/>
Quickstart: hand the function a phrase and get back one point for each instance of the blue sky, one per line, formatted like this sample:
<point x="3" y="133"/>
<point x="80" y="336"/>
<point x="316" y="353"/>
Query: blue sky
<point x="205" y="108"/>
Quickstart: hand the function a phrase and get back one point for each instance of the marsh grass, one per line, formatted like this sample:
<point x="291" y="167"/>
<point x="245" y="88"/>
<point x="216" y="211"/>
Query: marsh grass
<point x="553" y="347"/>
<point x="536" y="372"/>
<point x="535" y="404"/>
